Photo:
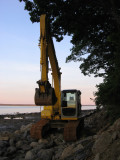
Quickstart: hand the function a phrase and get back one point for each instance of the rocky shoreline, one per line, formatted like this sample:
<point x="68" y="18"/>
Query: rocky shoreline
<point x="98" y="141"/>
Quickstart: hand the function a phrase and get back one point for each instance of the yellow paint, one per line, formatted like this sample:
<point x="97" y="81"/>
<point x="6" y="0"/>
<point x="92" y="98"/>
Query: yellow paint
<point x="56" y="74"/>
<point x="42" y="88"/>
<point x="46" y="114"/>
<point x="68" y="118"/>
<point x="57" y="117"/>
<point x="44" y="53"/>
<point x="48" y="51"/>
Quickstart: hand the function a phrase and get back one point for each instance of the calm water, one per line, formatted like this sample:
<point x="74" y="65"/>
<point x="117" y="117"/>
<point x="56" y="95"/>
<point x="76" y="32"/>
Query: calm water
<point x="28" y="109"/>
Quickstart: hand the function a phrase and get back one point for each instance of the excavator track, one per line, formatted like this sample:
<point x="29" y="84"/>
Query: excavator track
<point x="39" y="129"/>
<point x="72" y="130"/>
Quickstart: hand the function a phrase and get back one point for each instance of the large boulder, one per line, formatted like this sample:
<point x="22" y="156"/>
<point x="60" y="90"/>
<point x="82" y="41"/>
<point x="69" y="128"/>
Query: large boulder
<point x="107" y="144"/>
<point x="103" y="141"/>
<point x="45" y="154"/>
<point x="70" y="150"/>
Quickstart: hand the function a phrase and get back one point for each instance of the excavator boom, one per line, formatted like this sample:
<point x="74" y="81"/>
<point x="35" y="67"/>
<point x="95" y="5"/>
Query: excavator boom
<point x="45" y="94"/>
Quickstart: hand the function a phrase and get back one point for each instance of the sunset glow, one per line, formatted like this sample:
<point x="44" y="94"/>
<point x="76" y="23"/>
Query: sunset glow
<point x="20" y="56"/>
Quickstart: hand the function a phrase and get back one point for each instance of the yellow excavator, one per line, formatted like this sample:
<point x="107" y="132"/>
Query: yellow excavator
<point x="62" y="109"/>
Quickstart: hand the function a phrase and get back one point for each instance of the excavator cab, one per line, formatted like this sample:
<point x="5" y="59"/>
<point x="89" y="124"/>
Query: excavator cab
<point x="70" y="104"/>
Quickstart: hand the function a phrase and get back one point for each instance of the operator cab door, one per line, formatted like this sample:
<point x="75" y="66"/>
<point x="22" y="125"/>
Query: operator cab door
<point x="70" y="104"/>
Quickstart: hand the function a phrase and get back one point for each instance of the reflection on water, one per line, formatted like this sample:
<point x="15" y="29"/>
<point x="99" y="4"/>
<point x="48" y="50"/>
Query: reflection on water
<point x="29" y="109"/>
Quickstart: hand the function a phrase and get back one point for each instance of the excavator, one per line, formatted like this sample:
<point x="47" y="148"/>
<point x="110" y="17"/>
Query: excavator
<point x="62" y="109"/>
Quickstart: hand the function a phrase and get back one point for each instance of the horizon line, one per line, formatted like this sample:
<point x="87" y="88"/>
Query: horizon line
<point x="36" y="105"/>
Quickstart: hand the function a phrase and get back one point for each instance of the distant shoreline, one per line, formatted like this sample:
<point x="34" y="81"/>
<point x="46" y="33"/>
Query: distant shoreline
<point x="17" y="105"/>
<point x="35" y="105"/>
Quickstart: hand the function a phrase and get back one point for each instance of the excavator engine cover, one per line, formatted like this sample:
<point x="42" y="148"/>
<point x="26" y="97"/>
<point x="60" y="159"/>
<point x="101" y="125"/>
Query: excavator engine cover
<point x="45" y="98"/>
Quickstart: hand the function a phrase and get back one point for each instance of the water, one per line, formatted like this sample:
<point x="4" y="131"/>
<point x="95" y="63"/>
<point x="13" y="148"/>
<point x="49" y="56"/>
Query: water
<point x="29" y="109"/>
<point x="19" y="109"/>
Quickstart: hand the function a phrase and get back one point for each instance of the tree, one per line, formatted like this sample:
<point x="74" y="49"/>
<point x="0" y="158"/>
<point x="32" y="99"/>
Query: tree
<point x="91" y="24"/>
<point x="95" y="30"/>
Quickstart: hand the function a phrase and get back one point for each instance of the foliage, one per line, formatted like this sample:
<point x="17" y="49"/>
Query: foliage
<point x="92" y="25"/>
<point x="95" y="30"/>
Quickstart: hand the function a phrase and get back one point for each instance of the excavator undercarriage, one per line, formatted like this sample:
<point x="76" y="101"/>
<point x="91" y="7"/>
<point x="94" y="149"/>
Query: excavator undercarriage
<point x="72" y="129"/>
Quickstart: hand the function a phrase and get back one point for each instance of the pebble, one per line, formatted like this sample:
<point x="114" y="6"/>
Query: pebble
<point x="11" y="150"/>
<point x="29" y="155"/>
<point x="34" y="144"/>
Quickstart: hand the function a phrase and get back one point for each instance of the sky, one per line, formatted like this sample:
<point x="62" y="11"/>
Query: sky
<point x="20" y="59"/>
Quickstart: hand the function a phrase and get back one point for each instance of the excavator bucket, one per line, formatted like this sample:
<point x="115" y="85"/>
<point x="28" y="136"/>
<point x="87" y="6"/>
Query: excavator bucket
<point x="47" y="97"/>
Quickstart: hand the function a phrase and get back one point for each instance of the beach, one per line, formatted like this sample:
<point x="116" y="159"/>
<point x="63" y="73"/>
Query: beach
<point x="16" y="142"/>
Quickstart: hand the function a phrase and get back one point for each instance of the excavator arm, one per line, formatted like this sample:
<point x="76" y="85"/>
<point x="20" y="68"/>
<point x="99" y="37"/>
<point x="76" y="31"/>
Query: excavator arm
<point x="47" y="95"/>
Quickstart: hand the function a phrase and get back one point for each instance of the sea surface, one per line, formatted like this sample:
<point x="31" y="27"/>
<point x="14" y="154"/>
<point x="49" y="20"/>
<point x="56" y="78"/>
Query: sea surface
<point x="30" y="109"/>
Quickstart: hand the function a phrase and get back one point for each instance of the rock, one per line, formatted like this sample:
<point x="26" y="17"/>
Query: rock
<point x="6" y="134"/>
<point x="67" y="151"/>
<point x="17" y="132"/>
<point x="114" y="136"/>
<point x="1" y="152"/>
<point x="58" y="153"/>
<point x="26" y="133"/>
<point x="52" y="136"/>
<point x="49" y="145"/>
<point x="26" y="147"/>
<point x="45" y="141"/>
<point x="58" y="139"/>
<point x="85" y="141"/>
<point x="12" y="141"/>
<point x="4" y="158"/>
<point x="108" y="143"/>
<point x="97" y="157"/>
<point x="20" y="151"/>
<point x="118" y="158"/>
<point x="112" y="152"/>
<point x="45" y="154"/>
<point x="116" y="125"/>
<point x="3" y="144"/>
<point x="26" y="128"/>
<point x="11" y="150"/>
<point x="29" y="156"/>
<point x="78" y="147"/>
<point x="19" y="144"/>
<point x="22" y="129"/>
<point x="6" y="138"/>
<point x="34" y="144"/>
<point x="101" y="144"/>
<point x="36" y="149"/>
<point x="30" y="139"/>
